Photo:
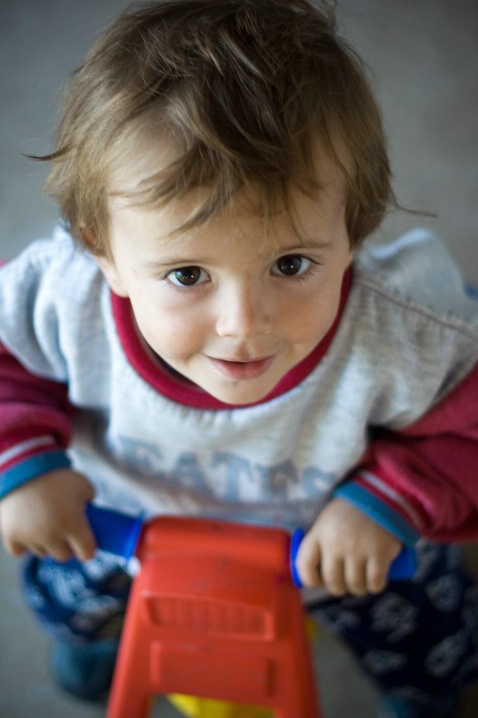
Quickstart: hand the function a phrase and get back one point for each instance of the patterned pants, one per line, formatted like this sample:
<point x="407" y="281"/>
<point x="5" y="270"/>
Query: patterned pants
<point x="417" y="638"/>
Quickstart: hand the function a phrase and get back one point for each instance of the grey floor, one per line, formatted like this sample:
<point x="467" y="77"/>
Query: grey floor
<point x="423" y="56"/>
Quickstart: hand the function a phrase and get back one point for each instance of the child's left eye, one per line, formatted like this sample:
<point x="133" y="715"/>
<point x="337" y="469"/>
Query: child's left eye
<point x="291" y="265"/>
<point x="187" y="276"/>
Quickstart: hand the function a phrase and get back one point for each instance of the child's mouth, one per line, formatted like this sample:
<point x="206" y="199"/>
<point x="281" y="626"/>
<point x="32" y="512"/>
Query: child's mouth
<point x="238" y="370"/>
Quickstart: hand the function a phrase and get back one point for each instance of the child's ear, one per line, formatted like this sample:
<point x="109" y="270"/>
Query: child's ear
<point x="112" y="276"/>
<point x="105" y="263"/>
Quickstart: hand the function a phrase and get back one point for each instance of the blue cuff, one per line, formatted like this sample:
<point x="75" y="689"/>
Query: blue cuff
<point x="378" y="511"/>
<point x="31" y="468"/>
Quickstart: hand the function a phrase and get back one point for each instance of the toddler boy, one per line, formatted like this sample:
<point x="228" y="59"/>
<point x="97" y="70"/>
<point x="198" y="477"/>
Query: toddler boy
<point x="205" y="335"/>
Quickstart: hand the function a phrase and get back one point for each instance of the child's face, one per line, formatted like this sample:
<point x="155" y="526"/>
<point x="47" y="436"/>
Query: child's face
<point x="228" y="306"/>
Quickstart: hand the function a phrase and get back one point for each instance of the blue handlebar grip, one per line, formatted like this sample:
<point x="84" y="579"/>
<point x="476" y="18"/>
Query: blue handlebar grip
<point x="115" y="532"/>
<point x="295" y="541"/>
<point x="402" y="567"/>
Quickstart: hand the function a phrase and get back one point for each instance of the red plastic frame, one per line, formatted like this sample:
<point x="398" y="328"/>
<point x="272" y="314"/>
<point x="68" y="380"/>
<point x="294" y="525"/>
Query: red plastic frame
<point x="213" y="612"/>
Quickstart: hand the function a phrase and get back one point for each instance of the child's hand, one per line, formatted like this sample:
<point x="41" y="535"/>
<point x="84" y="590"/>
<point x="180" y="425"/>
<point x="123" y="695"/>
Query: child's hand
<point x="46" y="516"/>
<point x="346" y="552"/>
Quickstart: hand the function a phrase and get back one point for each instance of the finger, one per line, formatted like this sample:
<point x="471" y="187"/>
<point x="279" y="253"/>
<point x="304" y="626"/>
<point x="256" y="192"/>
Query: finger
<point x="15" y="548"/>
<point x="308" y="563"/>
<point x="60" y="552"/>
<point x="38" y="551"/>
<point x="376" y="575"/>
<point x="82" y="543"/>
<point x="355" y="576"/>
<point x="333" y="575"/>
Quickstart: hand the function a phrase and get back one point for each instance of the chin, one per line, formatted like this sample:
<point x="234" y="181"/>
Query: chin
<point x="241" y="396"/>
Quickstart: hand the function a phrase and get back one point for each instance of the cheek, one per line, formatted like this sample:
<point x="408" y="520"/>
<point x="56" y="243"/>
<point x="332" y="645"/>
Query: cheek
<point x="171" y="333"/>
<point x="310" y="320"/>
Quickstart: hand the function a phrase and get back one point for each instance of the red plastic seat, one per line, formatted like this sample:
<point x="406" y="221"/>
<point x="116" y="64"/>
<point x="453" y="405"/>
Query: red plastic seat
<point x="213" y="612"/>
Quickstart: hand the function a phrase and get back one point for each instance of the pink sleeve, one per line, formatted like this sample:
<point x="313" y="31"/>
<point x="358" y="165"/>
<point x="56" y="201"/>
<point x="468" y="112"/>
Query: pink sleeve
<point x="423" y="480"/>
<point x="35" y="424"/>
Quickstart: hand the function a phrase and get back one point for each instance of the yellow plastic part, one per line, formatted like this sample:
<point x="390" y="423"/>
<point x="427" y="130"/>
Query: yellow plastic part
<point x="208" y="708"/>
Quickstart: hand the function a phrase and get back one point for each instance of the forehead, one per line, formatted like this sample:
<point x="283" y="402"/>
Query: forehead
<point x="148" y="237"/>
<point x="138" y="176"/>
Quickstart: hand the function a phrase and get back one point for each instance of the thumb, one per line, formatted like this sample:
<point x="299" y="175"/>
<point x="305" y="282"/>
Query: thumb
<point x="308" y="562"/>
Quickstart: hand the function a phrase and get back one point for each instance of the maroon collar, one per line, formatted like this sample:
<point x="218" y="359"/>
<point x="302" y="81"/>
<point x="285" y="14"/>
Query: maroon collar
<point x="182" y="391"/>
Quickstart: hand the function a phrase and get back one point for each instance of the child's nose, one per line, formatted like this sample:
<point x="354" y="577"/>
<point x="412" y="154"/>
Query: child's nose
<point x="244" y="312"/>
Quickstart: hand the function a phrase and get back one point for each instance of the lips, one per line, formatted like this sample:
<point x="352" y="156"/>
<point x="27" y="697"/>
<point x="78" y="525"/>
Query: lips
<point x="240" y="370"/>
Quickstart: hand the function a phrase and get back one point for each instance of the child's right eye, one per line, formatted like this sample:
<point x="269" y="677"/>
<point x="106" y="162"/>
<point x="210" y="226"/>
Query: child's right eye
<point x="187" y="276"/>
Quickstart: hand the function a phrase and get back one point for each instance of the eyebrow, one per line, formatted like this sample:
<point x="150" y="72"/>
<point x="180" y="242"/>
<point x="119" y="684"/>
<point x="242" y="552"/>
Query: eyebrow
<point x="304" y="245"/>
<point x="309" y="243"/>
<point x="169" y="262"/>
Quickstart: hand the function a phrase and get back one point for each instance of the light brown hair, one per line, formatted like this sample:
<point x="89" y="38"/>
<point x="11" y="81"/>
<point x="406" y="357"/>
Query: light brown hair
<point x="247" y="90"/>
